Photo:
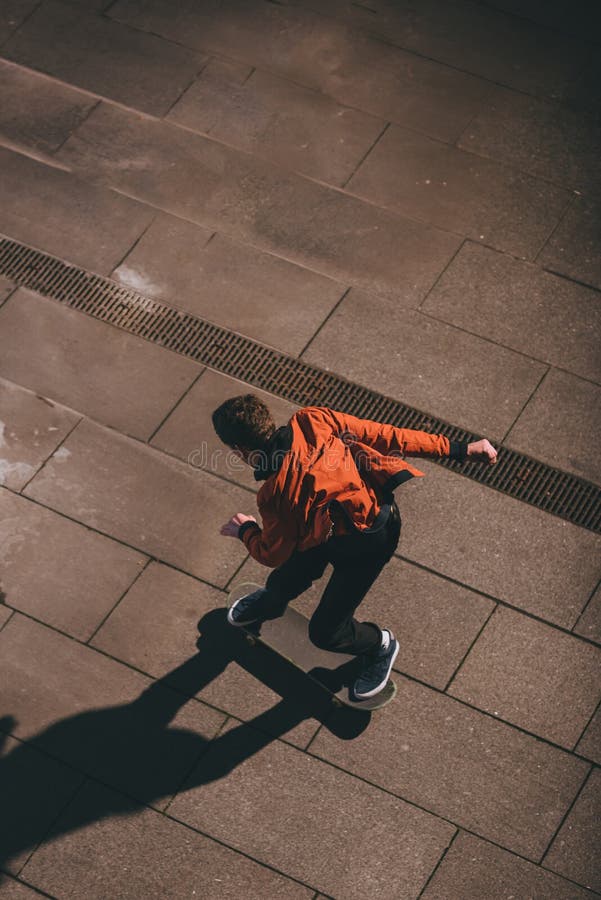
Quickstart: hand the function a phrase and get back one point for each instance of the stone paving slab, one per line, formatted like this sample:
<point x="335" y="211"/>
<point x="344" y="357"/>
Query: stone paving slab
<point x="560" y="424"/>
<point x="570" y="853"/>
<point x="573" y="250"/>
<point x="156" y="628"/>
<point x="188" y="431"/>
<point x="139" y="495"/>
<point x="36" y="111"/>
<point x="494" y="543"/>
<point x="102" y="56"/>
<point x="60" y="572"/>
<point x="472" y="38"/>
<point x="434" y="620"/>
<point x="275" y="119"/>
<point x="102" y="847"/>
<point x="466" y="194"/>
<point x="100" y="716"/>
<point x="27" y="773"/>
<point x="53" y="211"/>
<point x="113" y="376"/>
<point x="473" y="869"/>
<point x="426" y="363"/>
<point x="589" y="625"/>
<point x="522" y="307"/>
<point x="320" y="53"/>
<point x="253" y="201"/>
<point x="533" y="676"/>
<point x="589" y="744"/>
<point x="239" y="287"/>
<point x="31" y="429"/>
<point x="310" y="805"/>
<point x="546" y="139"/>
<point x="466" y="766"/>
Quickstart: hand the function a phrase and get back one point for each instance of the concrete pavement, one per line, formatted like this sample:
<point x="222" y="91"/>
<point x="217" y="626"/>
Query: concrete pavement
<point x="406" y="194"/>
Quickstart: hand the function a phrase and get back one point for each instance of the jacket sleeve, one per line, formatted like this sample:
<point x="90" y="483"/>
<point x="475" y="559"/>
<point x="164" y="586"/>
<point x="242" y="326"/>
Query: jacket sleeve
<point x="272" y="544"/>
<point x="388" y="440"/>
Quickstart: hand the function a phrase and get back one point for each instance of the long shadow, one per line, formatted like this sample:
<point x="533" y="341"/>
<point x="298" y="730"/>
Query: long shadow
<point x="133" y="748"/>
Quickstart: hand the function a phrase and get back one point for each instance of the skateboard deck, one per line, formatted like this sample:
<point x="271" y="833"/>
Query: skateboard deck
<point x="288" y="636"/>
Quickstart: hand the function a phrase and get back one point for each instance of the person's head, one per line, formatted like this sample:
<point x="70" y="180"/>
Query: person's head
<point x="244" y="423"/>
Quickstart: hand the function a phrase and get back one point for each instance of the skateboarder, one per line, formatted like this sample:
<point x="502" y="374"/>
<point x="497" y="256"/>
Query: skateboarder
<point x="326" y="498"/>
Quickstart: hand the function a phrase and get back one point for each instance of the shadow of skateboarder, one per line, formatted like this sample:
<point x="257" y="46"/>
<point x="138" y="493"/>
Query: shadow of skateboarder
<point x="134" y="748"/>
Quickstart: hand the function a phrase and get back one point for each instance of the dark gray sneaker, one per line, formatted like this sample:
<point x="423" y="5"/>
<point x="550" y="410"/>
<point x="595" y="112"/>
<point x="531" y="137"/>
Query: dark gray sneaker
<point x="247" y="609"/>
<point x="377" y="670"/>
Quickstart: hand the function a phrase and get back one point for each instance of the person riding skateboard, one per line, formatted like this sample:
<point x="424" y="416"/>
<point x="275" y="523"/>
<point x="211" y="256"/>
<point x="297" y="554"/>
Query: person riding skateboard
<point x="327" y="498"/>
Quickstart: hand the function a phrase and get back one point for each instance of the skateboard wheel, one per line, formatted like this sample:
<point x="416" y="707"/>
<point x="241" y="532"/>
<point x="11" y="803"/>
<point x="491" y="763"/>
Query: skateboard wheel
<point x="251" y="640"/>
<point x="336" y="702"/>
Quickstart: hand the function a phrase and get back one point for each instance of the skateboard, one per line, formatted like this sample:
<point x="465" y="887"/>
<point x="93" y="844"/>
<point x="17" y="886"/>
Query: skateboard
<point x="288" y="636"/>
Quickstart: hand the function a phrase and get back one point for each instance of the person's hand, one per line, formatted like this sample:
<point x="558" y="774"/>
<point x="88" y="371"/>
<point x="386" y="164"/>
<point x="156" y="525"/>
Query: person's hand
<point x="231" y="528"/>
<point x="482" y="451"/>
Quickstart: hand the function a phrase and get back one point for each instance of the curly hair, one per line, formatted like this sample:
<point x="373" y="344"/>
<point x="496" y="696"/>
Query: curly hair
<point x="244" y="421"/>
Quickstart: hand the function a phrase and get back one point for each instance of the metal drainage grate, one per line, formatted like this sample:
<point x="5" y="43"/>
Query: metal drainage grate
<point x="519" y="476"/>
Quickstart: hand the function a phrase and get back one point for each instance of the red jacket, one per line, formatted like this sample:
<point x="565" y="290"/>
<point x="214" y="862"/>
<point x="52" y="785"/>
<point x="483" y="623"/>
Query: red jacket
<point x="324" y="456"/>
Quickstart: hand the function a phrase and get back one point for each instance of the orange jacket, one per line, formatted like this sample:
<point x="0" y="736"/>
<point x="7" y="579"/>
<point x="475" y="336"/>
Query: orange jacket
<point x="324" y="456"/>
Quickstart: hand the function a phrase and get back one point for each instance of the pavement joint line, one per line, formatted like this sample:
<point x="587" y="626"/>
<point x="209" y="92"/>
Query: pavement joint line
<point x="438" y="864"/>
<point x="76" y="790"/>
<point x="192" y="81"/>
<point x="469" y="650"/>
<point x="574" y="192"/>
<point x="82" y="121"/>
<point x="445" y="268"/>
<point x="25" y="19"/>
<point x="583" y="732"/>
<point x="130" y="249"/>
<point x="366" y="154"/>
<point x="197" y="760"/>
<point x="586" y="605"/>
<point x="136" y="577"/>
<point x="527" y="401"/>
<point x="567" y="813"/>
<point x="11" y="613"/>
<point x="569" y="206"/>
<point x="338" y="303"/>
<point x="174" y="407"/>
<point x="50" y="455"/>
<point x="102" y="299"/>
<point x="570" y="278"/>
<point x="483" y="104"/>
<point x="19" y="880"/>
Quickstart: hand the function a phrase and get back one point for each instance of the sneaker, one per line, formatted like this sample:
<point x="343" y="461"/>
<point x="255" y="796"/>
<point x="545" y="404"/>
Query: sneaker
<point x="246" y="609"/>
<point x="377" y="669"/>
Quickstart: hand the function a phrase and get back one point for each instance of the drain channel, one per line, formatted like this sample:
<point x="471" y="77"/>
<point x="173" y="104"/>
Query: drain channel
<point x="564" y="495"/>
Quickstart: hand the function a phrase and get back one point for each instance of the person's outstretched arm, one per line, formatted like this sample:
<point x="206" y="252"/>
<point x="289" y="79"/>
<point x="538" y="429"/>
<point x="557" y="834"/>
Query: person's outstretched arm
<point x="388" y="439"/>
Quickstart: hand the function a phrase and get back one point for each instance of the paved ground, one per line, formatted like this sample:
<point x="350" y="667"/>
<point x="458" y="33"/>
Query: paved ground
<point x="406" y="193"/>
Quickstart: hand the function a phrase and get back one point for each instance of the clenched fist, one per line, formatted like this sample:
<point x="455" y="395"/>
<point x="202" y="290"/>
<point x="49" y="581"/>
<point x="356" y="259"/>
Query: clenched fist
<point x="231" y="528"/>
<point x="482" y="451"/>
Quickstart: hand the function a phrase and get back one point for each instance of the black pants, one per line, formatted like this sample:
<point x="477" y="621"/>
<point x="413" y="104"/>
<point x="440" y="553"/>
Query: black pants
<point x="357" y="559"/>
